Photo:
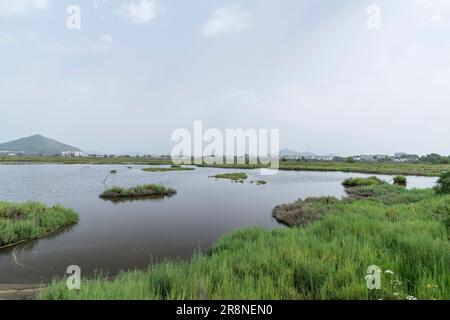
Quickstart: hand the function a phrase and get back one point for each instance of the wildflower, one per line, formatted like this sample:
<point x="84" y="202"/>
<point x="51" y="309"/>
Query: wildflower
<point x="389" y="271"/>
<point x="411" y="298"/>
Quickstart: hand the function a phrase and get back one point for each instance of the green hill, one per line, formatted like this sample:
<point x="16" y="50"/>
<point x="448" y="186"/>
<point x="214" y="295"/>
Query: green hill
<point x="37" y="145"/>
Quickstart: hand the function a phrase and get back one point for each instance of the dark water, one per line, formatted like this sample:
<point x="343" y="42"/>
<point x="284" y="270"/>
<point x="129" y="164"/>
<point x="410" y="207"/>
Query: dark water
<point x="112" y="237"/>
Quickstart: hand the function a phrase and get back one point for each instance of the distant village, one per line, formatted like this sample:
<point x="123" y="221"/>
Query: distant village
<point x="397" y="157"/>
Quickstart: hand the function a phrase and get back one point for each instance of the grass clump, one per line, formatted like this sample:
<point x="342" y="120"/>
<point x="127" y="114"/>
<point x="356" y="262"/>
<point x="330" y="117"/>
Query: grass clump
<point x="327" y="259"/>
<point x="172" y="168"/>
<point x="359" y="182"/>
<point x="400" y="180"/>
<point x="231" y="176"/>
<point x="304" y="212"/>
<point x="443" y="184"/>
<point x="147" y="190"/>
<point x="31" y="220"/>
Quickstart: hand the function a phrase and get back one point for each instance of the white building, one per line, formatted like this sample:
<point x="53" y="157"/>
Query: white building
<point x="72" y="153"/>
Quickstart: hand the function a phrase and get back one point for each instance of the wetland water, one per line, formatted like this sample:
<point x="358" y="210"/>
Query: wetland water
<point x="120" y="236"/>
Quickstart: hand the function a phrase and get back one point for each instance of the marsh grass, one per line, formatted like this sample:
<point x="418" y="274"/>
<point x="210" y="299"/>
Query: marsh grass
<point x="406" y="233"/>
<point x="400" y="180"/>
<point x="387" y="168"/>
<point x="359" y="182"/>
<point x="31" y="220"/>
<point x="231" y="176"/>
<point x="147" y="190"/>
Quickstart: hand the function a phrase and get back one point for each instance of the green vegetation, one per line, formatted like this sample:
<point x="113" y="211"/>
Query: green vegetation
<point x="388" y="168"/>
<point x="404" y="232"/>
<point x="113" y="171"/>
<point x="303" y="212"/>
<point x="164" y="169"/>
<point x="232" y="176"/>
<point x="443" y="184"/>
<point x="422" y="168"/>
<point x="85" y="160"/>
<point x="359" y="182"/>
<point x="31" y="220"/>
<point x="400" y="180"/>
<point x="148" y="190"/>
<point x="259" y="182"/>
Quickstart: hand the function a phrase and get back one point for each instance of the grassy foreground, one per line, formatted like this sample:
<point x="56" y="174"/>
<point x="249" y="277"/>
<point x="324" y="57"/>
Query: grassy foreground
<point x="404" y="232"/>
<point x="31" y="220"/>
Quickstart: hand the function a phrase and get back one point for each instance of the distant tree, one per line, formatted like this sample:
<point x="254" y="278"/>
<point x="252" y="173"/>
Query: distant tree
<point x="400" y="180"/>
<point x="350" y="160"/>
<point x="443" y="184"/>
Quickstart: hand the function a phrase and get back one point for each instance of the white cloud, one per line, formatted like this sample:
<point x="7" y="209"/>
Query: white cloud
<point x="6" y="38"/>
<point x="21" y="7"/>
<point x="104" y="44"/>
<point x="226" y="20"/>
<point x="142" y="11"/>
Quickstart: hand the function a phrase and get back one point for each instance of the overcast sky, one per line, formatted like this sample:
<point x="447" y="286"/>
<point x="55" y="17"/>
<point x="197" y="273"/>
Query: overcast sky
<point x="139" y="69"/>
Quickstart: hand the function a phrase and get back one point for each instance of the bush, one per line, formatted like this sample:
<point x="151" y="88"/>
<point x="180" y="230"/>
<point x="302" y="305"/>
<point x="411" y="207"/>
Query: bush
<point x="147" y="190"/>
<point x="359" y="182"/>
<point x="400" y="180"/>
<point x="443" y="184"/>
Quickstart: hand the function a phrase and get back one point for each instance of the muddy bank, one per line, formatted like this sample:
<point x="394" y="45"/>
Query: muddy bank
<point x="19" y="292"/>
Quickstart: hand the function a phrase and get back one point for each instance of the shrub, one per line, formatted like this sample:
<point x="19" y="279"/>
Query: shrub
<point x="443" y="184"/>
<point x="360" y="182"/>
<point x="148" y="190"/>
<point x="400" y="180"/>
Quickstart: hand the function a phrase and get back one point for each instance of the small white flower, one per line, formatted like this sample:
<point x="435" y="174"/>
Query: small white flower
<point x="389" y="271"/>
<point x="411" y="298"/>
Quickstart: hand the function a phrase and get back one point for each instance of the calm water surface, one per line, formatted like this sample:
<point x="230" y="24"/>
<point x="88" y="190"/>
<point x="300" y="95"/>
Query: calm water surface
<point x="112" y="237"/>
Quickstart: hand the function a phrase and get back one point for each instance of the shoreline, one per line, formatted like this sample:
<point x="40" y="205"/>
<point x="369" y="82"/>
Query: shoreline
<point x="20" y="291"/>
<point x="407" y="169"/>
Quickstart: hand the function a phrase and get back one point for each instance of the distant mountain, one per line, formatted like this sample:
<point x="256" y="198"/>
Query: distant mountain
<point x="288" y="153"/>
<point x="37" y="145"/>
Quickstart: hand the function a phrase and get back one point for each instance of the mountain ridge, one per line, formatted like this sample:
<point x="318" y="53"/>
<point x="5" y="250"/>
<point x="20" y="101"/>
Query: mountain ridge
<point x="37" y="144"/>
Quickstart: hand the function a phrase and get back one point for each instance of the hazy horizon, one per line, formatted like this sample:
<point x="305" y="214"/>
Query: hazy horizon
<point x="139" y="69"/>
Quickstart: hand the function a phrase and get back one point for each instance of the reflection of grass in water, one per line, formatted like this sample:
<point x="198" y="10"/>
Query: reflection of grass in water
<point x="157" y="198"/>
<point x="172" y="168"/>
<point x="31" y="220"/>
<point x="147" y="190"/>
<point x="402" y="230"/>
